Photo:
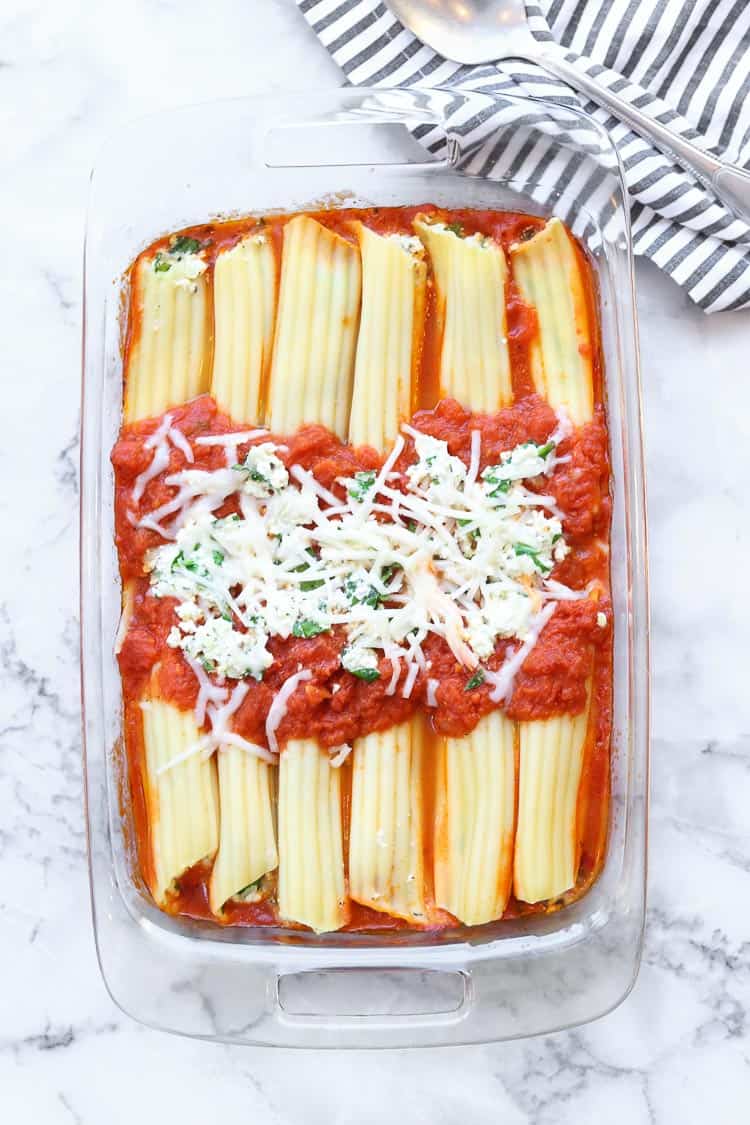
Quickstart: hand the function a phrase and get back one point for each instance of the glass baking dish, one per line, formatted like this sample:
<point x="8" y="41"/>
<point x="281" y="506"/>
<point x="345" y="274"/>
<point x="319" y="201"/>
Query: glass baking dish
<point x="357" y="148"/>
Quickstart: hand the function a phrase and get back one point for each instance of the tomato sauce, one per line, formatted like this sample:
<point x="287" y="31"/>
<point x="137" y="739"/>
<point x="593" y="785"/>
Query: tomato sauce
<point x="334" y="706"/>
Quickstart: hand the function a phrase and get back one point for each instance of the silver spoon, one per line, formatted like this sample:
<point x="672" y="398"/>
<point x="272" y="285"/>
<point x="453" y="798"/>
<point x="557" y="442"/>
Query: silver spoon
<point x="484" y="31"/>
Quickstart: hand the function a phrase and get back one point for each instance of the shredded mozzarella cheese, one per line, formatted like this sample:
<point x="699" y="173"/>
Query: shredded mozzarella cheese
<point x="411" y="676"/>
<point x="476" y="453"/>
<point x="207" y="691"/>
<point x="179" y="441"/>
<point x="278" y="708"/>
<point x="441" y="550"/>
<point x="237" y="438"/>
<point x="502" y="681"/>
<point x="395" y="676"/>
<point x="160" y="445"/>
<point x="339" y="754"/>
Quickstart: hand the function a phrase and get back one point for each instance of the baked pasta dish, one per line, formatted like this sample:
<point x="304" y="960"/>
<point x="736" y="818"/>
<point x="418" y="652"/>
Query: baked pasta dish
<point x="362" y="517"/>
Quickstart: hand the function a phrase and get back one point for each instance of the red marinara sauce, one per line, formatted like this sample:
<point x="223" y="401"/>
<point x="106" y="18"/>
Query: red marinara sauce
<point x="334" y="706"/>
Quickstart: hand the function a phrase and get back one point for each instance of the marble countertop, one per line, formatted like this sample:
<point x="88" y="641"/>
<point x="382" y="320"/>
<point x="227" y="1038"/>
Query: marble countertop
<point x="678" y="1049"/>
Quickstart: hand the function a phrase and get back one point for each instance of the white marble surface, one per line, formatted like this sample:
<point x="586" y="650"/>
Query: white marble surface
<point x="678" y="1050"/>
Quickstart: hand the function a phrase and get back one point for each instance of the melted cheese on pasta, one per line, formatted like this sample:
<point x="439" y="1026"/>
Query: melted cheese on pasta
<point x="462" y="554"/>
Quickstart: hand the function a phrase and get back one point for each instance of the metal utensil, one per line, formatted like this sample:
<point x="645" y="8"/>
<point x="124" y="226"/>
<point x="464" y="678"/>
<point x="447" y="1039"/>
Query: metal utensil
<point x="483" y="31"/>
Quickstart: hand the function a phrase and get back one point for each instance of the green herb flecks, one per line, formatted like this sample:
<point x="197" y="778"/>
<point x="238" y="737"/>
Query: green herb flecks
<point x="387" y="572"/>
<point x="363" y="482"/>
<point x="366" y="674"/>
<point x="184" y="244"/>
<point x="308" y="628"/>
<point x="477" y="679"/>
<point x="180" y="562"/>
<point x="371" y="596"/>
<point x="200" y="573"/>
<point x="252" y="473"/>
<point x="524" y="549"/>
<point x="250" y="889"/>
<point x="313" y="584"/>
<point x="502" y="485"/>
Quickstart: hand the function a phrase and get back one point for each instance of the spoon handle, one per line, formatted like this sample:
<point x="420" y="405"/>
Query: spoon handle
<point x="727" y="182"/>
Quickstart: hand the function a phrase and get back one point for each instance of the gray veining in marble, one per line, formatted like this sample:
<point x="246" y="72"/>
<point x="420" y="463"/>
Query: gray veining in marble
<point x="678" y="1050"/>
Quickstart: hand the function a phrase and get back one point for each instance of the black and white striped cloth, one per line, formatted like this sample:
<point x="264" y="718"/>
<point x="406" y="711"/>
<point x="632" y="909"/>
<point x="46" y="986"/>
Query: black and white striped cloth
<point x="685" y="62"/>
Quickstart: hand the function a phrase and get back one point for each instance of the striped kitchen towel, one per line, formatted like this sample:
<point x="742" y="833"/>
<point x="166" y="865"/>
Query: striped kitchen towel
<point x="686" y="62"/>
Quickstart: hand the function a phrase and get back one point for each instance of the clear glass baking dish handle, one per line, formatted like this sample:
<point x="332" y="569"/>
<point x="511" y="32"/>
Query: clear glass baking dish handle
<point x="365" y="1003"/>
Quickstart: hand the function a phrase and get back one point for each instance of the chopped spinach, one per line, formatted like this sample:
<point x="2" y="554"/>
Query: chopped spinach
<point x="363" y="482"/>
<point x="477" y="679"/>
<point x="533" y="554"/>
<point x="253" y="474"/>
<point x="313" y="584"/>
<point x="308" y="628"/>
<point x="503" y="485"/>
<point x="366" y="674"/>
<point x="372" y="597"/>
<point x="251" y="888"/>
<point x="184" y="244"/>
